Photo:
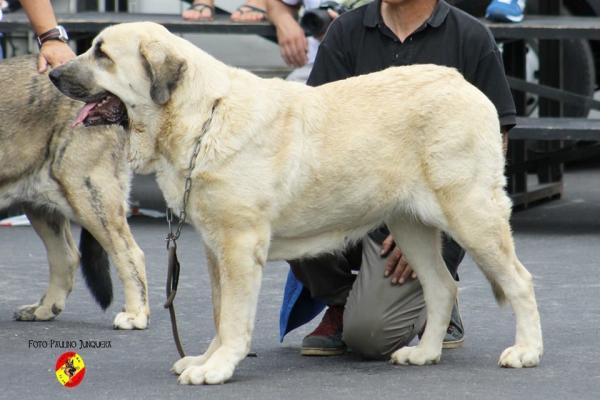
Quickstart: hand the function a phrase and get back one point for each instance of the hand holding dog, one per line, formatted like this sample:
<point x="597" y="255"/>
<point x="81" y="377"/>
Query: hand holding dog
<point x="42" y="18"/>
<point x="53" y="53"/>
<point x="397" y="264"/>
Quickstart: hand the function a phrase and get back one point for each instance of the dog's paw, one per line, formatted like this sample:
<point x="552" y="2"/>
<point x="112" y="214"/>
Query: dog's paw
<point x="188" y="361"/>
<point x="415" y="355"/>
<point x="519" y="356"/>
<point x="206" y="374"/>
<point x="127" y="321"/>
<point x="37" y="312"/>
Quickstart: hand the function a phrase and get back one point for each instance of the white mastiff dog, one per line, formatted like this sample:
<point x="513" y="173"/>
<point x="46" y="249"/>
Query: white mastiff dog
<point x="286" y="171"/>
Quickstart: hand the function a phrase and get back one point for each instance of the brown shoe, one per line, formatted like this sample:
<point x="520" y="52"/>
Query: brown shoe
<point x="326" y="339"/>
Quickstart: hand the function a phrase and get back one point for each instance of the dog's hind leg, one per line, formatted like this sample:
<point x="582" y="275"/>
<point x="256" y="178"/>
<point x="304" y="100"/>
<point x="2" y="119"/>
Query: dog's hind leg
<point x="241" y="255"/>
<point x="421" y="245"/>
<point x="54" y="230"/>
<point x="484" y="231"/>
<point x="189" y="361"/>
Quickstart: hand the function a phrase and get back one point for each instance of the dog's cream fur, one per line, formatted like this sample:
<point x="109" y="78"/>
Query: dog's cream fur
<point x="288" y="171"/>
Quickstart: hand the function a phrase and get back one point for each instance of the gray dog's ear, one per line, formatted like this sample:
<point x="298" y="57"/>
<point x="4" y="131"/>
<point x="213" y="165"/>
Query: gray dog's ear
<point x="164" y="69"/>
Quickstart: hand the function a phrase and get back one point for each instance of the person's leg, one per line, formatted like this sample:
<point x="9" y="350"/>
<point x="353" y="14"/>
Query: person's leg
<point x="453" y="254"/>
<point x="380" y="317"/>
<point x="329" y="278"/>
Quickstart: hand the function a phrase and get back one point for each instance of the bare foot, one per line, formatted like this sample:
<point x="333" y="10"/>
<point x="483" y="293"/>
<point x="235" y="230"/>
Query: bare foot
<point x="200" y="11"/>
<point x="250" y="11"/>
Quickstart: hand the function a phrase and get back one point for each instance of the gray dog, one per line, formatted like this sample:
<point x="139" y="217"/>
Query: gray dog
<point x="60" y="173"/>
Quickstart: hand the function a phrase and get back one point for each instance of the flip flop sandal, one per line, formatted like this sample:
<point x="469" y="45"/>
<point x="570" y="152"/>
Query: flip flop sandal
<point x="244" y="9"/>
<point x="201" y="7"/>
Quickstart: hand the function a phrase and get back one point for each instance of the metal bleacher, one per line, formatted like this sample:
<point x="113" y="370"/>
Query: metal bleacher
<point x="551" y="127"/>
<point x="85" y="24"/>
<point x="538" y="175"/>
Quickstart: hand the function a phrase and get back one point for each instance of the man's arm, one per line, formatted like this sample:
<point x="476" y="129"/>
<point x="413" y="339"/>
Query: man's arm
<point x="41" y="16"/>
<point x="292" y="40"/>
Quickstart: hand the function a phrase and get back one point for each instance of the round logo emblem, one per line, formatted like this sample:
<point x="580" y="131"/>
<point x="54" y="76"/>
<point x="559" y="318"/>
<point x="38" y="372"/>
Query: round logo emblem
<point x="70" y="369"/>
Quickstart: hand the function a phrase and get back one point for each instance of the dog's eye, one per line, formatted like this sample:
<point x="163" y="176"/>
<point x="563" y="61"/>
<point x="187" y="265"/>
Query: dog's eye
<point x="99" y="53"/>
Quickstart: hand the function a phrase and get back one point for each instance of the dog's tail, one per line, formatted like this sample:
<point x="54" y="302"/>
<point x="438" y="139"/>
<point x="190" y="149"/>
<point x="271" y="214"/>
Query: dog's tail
<point x="95" y="268"/>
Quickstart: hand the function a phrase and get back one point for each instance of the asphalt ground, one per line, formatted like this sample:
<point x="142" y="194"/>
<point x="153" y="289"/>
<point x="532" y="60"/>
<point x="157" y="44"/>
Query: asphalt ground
<point x="558" y="241"/>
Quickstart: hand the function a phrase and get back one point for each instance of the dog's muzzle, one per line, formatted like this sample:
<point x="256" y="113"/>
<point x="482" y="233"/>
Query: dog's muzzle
<point x="99" y="109"/>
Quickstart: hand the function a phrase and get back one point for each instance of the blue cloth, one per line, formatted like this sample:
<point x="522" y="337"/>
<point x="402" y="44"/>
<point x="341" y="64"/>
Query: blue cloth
<point x="505" y="10"/>
<point x="298" y="306"/>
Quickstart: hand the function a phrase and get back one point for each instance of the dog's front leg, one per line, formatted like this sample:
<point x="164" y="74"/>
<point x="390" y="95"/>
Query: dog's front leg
<point x="99" y="204"/>
<point x="240" y="256"/>
<point x="129" y="261"/>
<point x="215" y="282"/>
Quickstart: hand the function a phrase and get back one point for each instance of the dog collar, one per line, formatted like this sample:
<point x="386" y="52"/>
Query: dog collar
<point x="58" y="33"/>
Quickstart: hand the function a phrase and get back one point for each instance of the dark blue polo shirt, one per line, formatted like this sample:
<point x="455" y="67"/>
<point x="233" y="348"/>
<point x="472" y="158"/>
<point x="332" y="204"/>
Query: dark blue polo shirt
<point x="359" y="42"/>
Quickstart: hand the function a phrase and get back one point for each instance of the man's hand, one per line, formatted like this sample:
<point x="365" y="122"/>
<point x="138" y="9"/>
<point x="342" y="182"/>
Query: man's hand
<point x="292" y="43"/>
<point x="397" y="265"/>
<point x="290" y="35"/>
<point x="41" y="16"/>
<point x="54" y="53"/>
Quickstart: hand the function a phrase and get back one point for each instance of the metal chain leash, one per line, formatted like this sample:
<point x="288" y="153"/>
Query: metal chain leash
<point x="173" y="263"/>
<point x="188" y="184"/>
<point x="186" y="195"/>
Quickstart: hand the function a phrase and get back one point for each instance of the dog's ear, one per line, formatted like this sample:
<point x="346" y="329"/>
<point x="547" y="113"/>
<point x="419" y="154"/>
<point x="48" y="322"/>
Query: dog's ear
<point x="164" y="69"/>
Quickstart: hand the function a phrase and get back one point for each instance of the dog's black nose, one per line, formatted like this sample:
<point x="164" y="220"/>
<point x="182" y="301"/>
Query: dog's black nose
<point x="54" y="75"/>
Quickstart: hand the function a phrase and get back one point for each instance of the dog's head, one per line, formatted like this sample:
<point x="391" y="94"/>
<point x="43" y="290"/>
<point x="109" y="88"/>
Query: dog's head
<point x="130" y="71"/>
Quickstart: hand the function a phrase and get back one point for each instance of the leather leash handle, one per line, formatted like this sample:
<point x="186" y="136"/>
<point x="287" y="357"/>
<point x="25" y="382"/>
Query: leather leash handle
<point x="172" y="283"/>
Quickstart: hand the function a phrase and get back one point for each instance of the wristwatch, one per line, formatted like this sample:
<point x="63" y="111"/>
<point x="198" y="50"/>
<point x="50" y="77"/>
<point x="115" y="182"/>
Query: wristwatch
<point x="58" y="33"/>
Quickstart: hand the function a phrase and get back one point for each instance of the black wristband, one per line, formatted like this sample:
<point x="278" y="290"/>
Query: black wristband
<point x="57" y="33"/>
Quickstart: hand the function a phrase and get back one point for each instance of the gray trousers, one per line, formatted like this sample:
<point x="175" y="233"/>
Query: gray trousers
<point x="379" y="317"/>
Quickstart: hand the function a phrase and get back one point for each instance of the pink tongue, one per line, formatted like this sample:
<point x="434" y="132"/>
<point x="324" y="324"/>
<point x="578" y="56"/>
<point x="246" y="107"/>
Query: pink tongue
<point x="83" y="113"/>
